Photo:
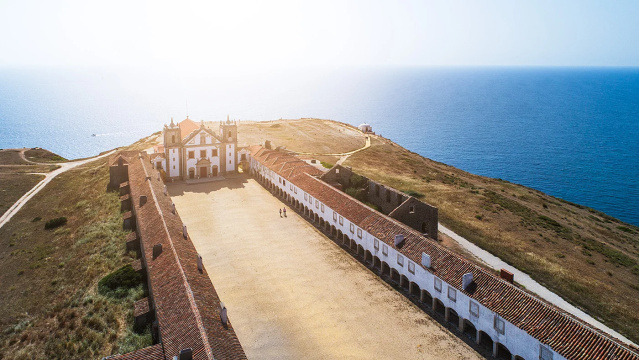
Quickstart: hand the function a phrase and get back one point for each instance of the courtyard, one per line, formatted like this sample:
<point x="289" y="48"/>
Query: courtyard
<point x="292" y="293"/>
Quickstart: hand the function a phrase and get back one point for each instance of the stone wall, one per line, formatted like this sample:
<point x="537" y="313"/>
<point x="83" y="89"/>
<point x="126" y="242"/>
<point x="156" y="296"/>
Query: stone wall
<point x="418" y="215"/>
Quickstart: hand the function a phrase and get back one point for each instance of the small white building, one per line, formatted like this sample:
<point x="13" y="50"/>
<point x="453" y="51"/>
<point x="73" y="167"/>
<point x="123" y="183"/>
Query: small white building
<point x="365" y="128"/>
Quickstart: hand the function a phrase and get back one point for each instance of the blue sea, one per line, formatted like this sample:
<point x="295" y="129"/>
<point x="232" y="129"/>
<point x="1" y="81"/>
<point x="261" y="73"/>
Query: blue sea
<point x="570" y="132"/>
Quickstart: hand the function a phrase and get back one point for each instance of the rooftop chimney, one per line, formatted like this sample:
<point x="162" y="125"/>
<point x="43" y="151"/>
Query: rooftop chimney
<point x="399" y="239"/>
<point x="426" y="260"/>
<point x="186" y="354"/>
<point x="200" y="267"/>
<point x="507" y="275"/>
<point x="184" y="233"/>
<point x="142" y="200"/>
<point x="223" y="316"/>
<point x="157" y="250"/>
<point x="467" y="279"/>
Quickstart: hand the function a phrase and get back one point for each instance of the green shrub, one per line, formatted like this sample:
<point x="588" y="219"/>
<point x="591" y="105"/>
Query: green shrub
<point x="414" y="194"/>
<point x="358" y="181"/>
<point x="54" y="223"/>
<point x="118" y="283"/>
<point x="326" y="165"/>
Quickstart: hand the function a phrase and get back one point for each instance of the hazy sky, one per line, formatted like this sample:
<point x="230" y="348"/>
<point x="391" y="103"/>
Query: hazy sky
<point x="262" y="34"/>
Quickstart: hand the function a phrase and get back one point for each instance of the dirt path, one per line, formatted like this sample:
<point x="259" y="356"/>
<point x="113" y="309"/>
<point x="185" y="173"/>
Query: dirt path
<point x="64" y="166"/>
<point x="291" y="292"/>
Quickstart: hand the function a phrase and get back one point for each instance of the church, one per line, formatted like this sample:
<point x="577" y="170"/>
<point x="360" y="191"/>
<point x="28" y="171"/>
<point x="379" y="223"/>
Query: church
<point x="194" y="151"/>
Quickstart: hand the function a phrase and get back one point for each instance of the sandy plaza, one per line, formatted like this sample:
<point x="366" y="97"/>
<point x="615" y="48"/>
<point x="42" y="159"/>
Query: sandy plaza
<point x="291" y="292"/>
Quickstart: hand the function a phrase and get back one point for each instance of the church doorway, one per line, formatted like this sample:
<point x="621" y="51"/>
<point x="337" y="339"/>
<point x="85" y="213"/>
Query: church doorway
<point x="214" y="170"/>
<point x="191" y="173"/>
<point x="203" y="172"/>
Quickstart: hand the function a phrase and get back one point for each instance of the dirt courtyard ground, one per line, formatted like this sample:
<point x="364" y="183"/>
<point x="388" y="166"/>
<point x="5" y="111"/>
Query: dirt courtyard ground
<point x="291" y="293"/>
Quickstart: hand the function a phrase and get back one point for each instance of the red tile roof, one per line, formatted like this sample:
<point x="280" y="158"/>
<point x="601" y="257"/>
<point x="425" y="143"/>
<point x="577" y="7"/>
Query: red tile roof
<point x="564" y="333"/>
<point x="153" y="352"/>
<point x="187" y="126"/>
<point x="186" y="303"/>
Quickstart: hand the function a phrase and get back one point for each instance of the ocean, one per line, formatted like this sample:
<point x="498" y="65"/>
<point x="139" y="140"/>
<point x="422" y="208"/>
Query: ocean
<point x="570" y="132"/>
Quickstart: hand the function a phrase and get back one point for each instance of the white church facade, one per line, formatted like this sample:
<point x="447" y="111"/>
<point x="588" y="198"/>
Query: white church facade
<point x="195" y="151"/>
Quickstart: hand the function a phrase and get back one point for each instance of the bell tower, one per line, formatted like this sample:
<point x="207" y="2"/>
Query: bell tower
<point x="171" y="135"/>
<point x="228" y="131"/>
<point x="228" y="135"/>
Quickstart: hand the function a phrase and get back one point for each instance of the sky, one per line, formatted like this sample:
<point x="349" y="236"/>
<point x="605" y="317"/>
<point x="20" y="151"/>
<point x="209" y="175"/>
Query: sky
<point x="253" y="35"/>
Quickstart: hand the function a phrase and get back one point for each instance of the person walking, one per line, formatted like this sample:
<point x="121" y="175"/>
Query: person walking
<point x="280" y="212"/>
<point x="284" y="212"/>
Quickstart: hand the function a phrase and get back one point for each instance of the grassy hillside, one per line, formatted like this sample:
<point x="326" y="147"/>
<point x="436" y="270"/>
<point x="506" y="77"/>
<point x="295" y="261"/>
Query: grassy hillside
<point x="51" y="306"/>
<point x="588" y="257"/>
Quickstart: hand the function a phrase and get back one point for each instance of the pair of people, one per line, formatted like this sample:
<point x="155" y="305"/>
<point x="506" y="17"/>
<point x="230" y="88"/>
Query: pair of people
<point x="284" y="210"/>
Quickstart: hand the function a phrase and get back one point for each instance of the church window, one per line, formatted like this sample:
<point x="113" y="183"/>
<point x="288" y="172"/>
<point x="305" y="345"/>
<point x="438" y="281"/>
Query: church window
<point x="229" y="162"/>
<point x="352" y="227"/>
<point x="322" y="207"/>
<point x="474" y="309"/>
<point x="452" y="294"/>
<point x="385" y="250"/>
<point x="202" y="139"/>
<point x="376" y="244"/>
<point x="411" y="267"/>
<point x="202" y="153"/>
<point x="214" y="152"/>
<point x="400" y="260"/>
<point x="284" y="182"/>
<point x="499" y="325"/>
<point x="316" y="204"/>
<point x="438" y="284"/>
<point x="334" y="216"/>
<point x="173" y="167"/>
<point x="545" y="353"/>
<point x="191" y="154"/>
<point x="411" y="209"/>
<point x="305" y="196"/>
<point x="359" y="233"/>
<point x="341" y="220"/>
<point x="229" y="134"/>
<point x="172" y="138"/>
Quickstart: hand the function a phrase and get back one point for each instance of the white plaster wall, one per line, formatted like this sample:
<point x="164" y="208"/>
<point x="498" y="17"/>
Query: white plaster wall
<point x="230" y="156"/>
<point x="174" y="161"/>
<point x="215" y="160"/>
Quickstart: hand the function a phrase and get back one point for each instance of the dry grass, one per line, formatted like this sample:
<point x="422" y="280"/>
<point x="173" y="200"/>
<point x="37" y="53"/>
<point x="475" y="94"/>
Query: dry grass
<point x="14" y="186"/>
<point x="303" y="135"/>
<point x="43" y="156"/>
<point x="50" y="305"/>
<point x="585" y="256"/>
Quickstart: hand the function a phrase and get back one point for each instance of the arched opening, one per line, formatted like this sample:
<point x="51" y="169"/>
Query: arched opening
<point x="403" y="282"/>
<point x="414" y="289"/>
<point x="312" y="216"/>
<point x="426" y="298"/>
<point x="368" y="257"/>
<point x="453" y="317"/>
<point x="353" y="247"/>
<point x="316" y="219"/>
<point x="395" y="275"/>
<point x="377" y="263"/>
<point x="485" y="341"/>
<point x="305" y="210"/>
<point x="327" y="227"/>
<point x="360" y="251"/>
<point x="322" y="225"/>
<point x="385" y="269"/>
<point x="503" y="352"/>
<point x="340" y="237"/>
<point x="470" y="330"/>
<point x="438" y="307"/>
<point x="333" y="231"/>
